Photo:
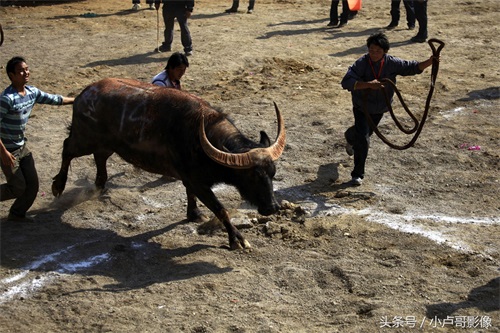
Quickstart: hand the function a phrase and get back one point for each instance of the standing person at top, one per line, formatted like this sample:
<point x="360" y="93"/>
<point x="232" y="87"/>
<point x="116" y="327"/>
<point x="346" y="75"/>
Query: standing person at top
<point x="18" y="165"/>
<point x="180" y="10"/>
<point x="175" y="69"/>
<point x="420" y="7"/>
<point x="395" y="14"/>
<point x="236" y="4"/>
<point x="345" y="16"/>
<point x="363" y="80"/>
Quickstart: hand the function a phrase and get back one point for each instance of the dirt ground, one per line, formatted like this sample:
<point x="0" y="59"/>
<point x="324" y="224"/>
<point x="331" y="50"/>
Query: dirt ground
<point x="414" y="249"/>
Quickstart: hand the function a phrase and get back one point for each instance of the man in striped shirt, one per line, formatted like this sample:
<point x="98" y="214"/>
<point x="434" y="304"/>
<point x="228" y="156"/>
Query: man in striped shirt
<point x="18" y="165"/>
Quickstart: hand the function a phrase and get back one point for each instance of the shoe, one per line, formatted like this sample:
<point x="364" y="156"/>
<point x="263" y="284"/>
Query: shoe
<point x="231" y="10"/>
<point x="348" y="149"/>
<point x="342" y="24"/>
<point x="356" y="181"/>
<point x="418" y="39"/>
<point x="136" y="6"/>
<point x="391" y="26"/>
<point x="163" y="48"/>
<point x="332" y="24"/>
<point x="250" y="11"/>
<point x="411" y="27"/>
<point x="188" y="53"/>
<point x="17" y="218"/>
<point x="151" y="6"/>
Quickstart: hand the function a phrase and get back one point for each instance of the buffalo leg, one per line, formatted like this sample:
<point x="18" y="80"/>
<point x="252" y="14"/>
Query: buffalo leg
<point x="193" y="212"/>
<point x="72" y="148"/>
<point x="100" y="159"/>
<point x="59" y="181"/>
<point x="236" y="240"/>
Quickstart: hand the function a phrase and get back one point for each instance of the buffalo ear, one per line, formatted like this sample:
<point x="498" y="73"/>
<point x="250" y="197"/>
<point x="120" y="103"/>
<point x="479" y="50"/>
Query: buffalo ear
<point x="264" y="139"/>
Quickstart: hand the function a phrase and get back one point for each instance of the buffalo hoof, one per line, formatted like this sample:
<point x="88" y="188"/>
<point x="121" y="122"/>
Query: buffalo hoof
<point x="197" y="216"/>
<point x="58" y="185"/>
<point x="239" y="245"/>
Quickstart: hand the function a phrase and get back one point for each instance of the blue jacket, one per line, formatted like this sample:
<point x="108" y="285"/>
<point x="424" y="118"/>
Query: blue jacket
<point x="362" y="71"/>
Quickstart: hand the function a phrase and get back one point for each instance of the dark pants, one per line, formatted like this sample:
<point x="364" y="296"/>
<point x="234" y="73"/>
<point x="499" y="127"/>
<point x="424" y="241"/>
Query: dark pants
<point x="421" y="16"/>
<point x="359" y="137"/>
<point x="236" y="4"/>
<point x="139" y="1"/>
<point x="334" y="14"/>
<point x="22" y="182"/>
<point x="395" y="12"/>
<point x="169" y="16"/>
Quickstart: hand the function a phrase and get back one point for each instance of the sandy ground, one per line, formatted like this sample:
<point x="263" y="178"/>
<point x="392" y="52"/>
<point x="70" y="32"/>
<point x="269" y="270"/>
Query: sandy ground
<point x="415" y="248"/>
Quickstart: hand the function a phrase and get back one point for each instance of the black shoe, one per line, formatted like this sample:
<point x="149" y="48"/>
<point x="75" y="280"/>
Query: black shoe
<point x="391" y="26"/>
<point x="332" y="24"/>
<point x="231" y="10"/>
<point x="342" y="24"/>
<point x="418" y="39"/>
<point x="411" y="27"/>
<point x="163" y="48"/>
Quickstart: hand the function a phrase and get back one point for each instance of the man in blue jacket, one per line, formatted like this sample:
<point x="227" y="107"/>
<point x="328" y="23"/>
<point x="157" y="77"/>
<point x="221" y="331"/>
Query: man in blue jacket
<point x="180" y="10"/>
<point x="363" y="80"/>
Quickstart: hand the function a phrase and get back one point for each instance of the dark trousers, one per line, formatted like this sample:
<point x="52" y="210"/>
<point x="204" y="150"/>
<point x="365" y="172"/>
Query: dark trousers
<point x="395" y="12"/>
<point x="359" y="137"/>
<point x="139" y="1"/>
<point x="421" y="16"/>
<point x="236" y="4"/>
<point x="334" y="14"/>
<point x="22" y="182"/>
<point x="169" y="16"/>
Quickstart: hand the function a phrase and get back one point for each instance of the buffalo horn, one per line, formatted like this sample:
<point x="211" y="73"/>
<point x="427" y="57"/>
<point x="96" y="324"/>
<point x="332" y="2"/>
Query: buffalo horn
<point x="250" y="158"/>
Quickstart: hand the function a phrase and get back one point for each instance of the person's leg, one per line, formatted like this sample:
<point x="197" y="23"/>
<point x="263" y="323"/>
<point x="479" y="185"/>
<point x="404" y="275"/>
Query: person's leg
<point x="410" y="13"/>
<point x="344" y="17"/>
<point x="24" y="180"/>
<point x="420" y="7"/>
<point x="186" y="40"/>
<point x="16" y="185"/>
<point x="234" y="7"/>
<point x="395" y="13"/>
<point x="334" y="14"/>
<point x="359" y="137"/>
<point x="251" y="3"/>
<point x="168" y="20"/>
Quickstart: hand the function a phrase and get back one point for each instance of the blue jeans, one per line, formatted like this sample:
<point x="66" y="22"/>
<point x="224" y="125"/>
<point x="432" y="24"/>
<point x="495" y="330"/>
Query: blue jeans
<point x="410" y="12"/>
<point x="169" y="16"/>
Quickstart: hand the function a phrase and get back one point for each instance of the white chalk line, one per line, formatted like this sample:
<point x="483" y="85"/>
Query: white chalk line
<point x="20" y="285"/>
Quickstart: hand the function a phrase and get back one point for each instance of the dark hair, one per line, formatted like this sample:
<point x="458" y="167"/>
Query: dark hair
<point x="177" y="59"/>
<point x="11" y="64"/>
<point x="379" y="39"/>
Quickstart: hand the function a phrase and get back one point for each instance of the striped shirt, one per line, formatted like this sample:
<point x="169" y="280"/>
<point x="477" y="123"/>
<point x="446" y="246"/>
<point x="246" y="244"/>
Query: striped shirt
<point x="15" y="111"/>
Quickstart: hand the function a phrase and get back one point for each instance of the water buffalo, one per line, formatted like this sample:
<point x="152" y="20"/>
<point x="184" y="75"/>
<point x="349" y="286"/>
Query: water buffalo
<point x="173" y="133"/>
